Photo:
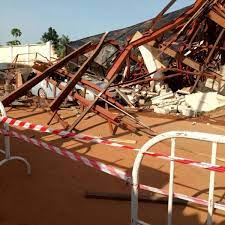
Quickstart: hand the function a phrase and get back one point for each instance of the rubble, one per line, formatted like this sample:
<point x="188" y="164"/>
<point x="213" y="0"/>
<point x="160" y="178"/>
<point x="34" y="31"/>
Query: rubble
<point x="205" y="102"/>
<point x="170" y="66"/>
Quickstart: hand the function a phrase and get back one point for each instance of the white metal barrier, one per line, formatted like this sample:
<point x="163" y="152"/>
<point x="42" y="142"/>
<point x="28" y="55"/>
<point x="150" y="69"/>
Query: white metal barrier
<point x="214" y="139"/>
<point x="7" y="148"/>
<point x="134" y="180"/>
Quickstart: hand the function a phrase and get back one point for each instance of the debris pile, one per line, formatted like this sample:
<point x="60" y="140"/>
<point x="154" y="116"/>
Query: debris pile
<point x="175" y="64"/>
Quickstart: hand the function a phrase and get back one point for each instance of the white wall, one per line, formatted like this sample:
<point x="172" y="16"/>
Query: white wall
<point x="27" y="53"/>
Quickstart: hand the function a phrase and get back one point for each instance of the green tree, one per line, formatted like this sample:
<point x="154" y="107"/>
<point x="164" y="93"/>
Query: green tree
<point x="51" y="35"/>
<point x="61" y="48"/>
<point x="15" y="32"/>
<point x="59" y="43"/>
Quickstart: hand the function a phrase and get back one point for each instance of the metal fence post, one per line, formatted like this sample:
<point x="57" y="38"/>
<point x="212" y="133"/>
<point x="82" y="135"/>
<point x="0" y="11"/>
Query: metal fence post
<point x="212" y="185"/>
<point x="6" y="145"/>
<point x="171" y="186"/>
<point x="173" y="135"/>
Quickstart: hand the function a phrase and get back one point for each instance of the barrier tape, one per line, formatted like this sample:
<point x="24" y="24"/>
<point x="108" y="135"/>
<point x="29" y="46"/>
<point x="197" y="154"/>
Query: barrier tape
<point x="182" y="197"/>
<point x="83" y="137"/>
<point x="71" y="155"/>
<point x="108" y="169"/>
<point x="203" y="165"/>
<point x="63" y="133"/>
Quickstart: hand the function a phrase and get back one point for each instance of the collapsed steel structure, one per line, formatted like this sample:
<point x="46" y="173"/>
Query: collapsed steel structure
<point x="193" y="45"/>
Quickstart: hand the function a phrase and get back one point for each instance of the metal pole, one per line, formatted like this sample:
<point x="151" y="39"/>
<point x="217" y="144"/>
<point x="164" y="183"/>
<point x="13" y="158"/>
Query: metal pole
<point x="171" y="182"/>
<point x="212" y="185"/>
<point x="126" y="113"/>
<point x="6" y="145"/>
<point x="159" y="16"/>
<point x="6" y="138"/>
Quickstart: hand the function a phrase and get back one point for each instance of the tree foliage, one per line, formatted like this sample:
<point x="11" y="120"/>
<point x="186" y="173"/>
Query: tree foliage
<point x="59" y="43"/>
<point x="51" y="35"/>
<point x="14" y="42"/>
<point x="61" y="48"/>
<point x="15" y="32"/>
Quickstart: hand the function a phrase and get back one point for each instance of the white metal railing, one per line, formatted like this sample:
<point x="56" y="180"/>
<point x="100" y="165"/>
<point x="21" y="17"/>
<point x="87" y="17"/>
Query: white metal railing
<point x="7" y="147"/>
<point x="214" y="139"/>
<point x="33" y="59"/>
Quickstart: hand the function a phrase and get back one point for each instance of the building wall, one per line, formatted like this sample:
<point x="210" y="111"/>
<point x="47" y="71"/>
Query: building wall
<point x="26" y="53"/>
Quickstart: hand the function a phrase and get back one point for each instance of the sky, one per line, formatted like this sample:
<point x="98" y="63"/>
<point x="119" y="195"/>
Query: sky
<point x="75" y="18"/>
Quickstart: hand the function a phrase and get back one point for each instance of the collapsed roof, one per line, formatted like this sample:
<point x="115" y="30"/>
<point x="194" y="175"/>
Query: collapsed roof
<point x="121" y="34"/>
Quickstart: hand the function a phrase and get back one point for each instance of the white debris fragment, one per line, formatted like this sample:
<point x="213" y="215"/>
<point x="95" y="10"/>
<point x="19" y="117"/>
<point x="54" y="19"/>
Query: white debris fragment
<point x="158" y="99"/>
<point x="161" y="110"/>
<point x="205" y="102"/>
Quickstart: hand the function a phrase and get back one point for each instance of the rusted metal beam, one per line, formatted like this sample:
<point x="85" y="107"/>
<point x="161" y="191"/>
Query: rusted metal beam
<point x="90" y="106"/>
<point x="60" y="120"/>
<point x="58" y="101"/>
<point x="159" y="16"/>
<point x="107" y="115"/>
<point x="104" y="113"/>
<point x="91" y="85"/>
<point x="208" y="58"/>
<point x="111" y="75"/>
<point x="144" y="40"/>
<point x="217" y="18"/>
<point x="100" y="110"/>
<point x="106" y="95"/>
<point x="6" y="101"/>
<point x="185" y="60"/>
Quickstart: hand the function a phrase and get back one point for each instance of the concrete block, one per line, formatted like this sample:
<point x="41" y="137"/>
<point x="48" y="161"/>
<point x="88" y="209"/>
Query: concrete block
<point x="184" y="91"/>
<point x="222" y="70"/>
<point x="141" y="101"/>
<point x="172" y="108"/>
<point x="204" y="102"/>
<point x="182" y="107"/>
<point x="151" y="94"/>
<point x="161" y="110"/>
<point x="210" y="85"/>
<point x="187" y="112"/>
<point x="144" y="93"/>
<point x="157" y="87"/>
<point x="158" y="99"/>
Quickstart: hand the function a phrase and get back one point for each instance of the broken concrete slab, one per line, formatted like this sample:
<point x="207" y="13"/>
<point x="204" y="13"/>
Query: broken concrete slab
<point x="151" y="62"/>
<point x="185" y="110"/>
<point x="205" y="102"/>
<point x="161" y="110"/>
<point x="184" y="91"/>
<point x="158" y="99"/>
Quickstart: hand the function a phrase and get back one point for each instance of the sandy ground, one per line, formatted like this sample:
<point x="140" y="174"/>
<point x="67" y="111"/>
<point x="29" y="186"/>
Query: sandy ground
<point x="55" y="192"/>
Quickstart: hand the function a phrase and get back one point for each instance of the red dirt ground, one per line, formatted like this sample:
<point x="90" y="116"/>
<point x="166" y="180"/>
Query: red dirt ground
<point x="55" y="192"/>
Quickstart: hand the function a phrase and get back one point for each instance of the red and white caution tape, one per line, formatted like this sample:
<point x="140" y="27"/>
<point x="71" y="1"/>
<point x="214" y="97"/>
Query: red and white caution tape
<point x="83" y="137"/>
<point x="111" y="170"/>
<point x="203" y="165"/>
<point x="71" y="155"/>
<point x="181" y="196"/>
<point x="63" y="133"/>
